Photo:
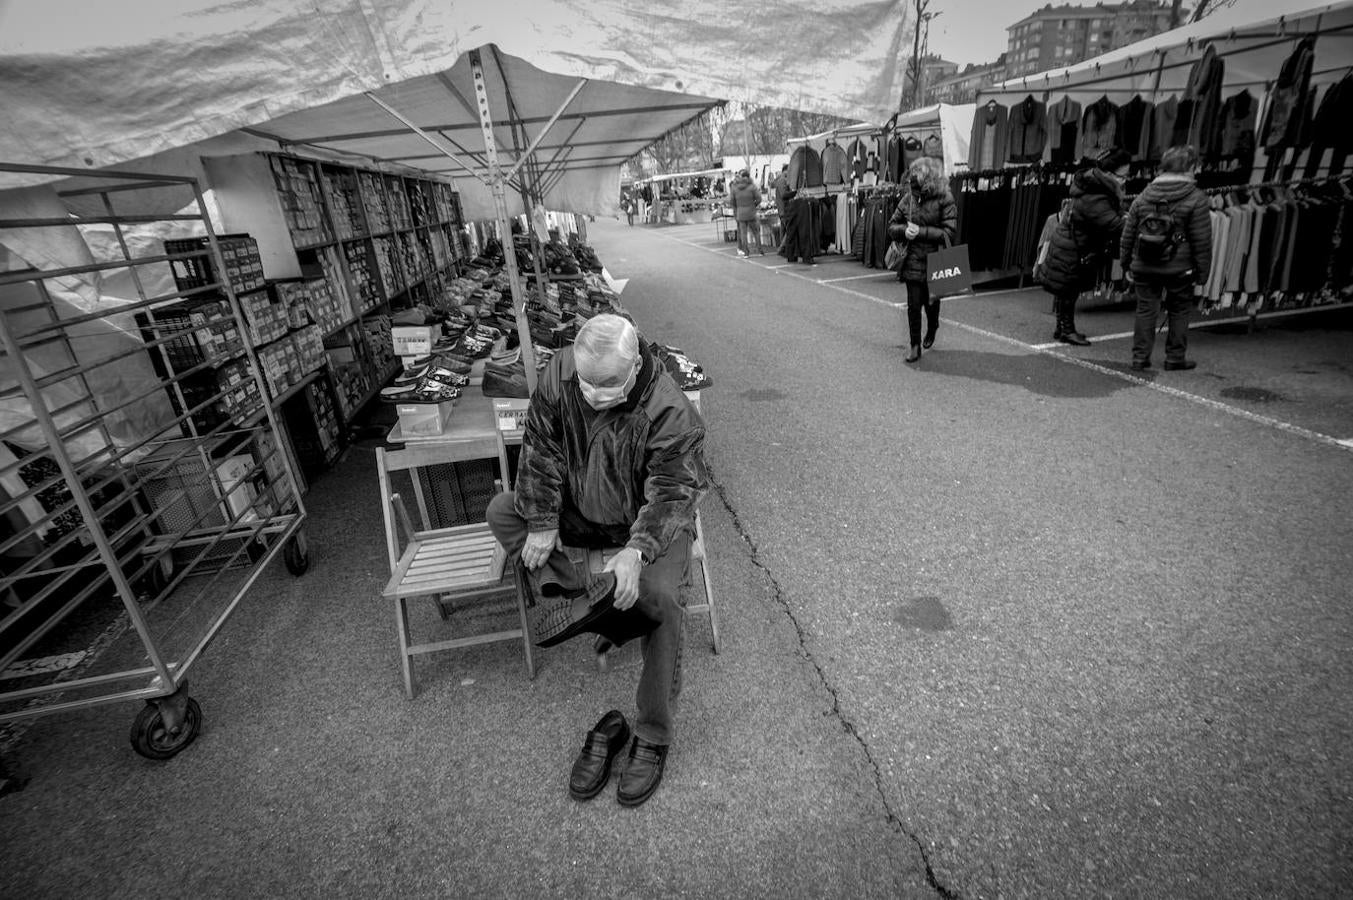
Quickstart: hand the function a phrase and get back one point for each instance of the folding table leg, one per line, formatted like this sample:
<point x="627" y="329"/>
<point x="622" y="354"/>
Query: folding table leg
<point x="405" y="661"/>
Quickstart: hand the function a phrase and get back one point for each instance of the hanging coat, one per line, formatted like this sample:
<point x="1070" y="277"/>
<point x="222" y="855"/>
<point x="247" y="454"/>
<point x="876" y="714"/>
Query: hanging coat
<point x="986" y="149"/>
<point x="1284" y="124"/>
<point x="1028" y="131"/>
<point x="1204" y="90"/>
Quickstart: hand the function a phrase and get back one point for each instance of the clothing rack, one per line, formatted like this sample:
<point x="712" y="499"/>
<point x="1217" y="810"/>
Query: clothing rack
<point x="1294" y="182"/>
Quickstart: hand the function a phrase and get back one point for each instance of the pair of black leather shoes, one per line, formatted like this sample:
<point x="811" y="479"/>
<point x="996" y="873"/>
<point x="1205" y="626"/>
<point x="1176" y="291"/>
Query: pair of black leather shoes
<point x="592" y="768"/>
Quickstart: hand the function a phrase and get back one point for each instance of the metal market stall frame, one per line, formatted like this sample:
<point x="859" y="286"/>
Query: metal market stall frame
<point x="159" y="530"/>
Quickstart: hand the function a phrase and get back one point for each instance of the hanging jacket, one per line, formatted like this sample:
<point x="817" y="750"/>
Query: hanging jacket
<point x="745" y="197"/>
<point x="1028" y="131"/>
<point x="1086" y="234"/>
<point x="1163" y="120"/>
<point x="1204" y="90"/>
<point x="855" y="158"/>
<point x="636" y="471"/>
<point x="1063" y="128"/>
<point x="1099" y="128"/>
<point x="1283" y="120"/>
<point x="805" y="168"/>
<point x="986" y="149"/>
<point x="1134" y="128"/>
<point x="1189" y="207"/>
<point x="930" y="206"/>
<point x="933" y="147"/>
<point x="835" y="168"/>
<point x="1236" y="129"/>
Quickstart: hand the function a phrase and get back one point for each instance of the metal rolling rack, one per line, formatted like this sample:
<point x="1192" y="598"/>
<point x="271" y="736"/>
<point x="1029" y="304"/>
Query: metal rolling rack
<point x="125" y="552"/>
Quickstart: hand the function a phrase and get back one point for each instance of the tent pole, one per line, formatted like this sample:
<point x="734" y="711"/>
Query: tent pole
<point x="528" y="353"/>
<point x="422" y="134"/>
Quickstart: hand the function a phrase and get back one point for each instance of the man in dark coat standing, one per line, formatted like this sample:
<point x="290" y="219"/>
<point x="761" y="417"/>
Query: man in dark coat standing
<point x="1174" y="278"/>
<point x="746" y="199"/>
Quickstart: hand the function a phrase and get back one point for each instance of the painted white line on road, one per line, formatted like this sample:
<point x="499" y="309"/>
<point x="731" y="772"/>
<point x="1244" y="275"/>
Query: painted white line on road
<point x="879" y="275"/>
<point x="1045" y="350"/>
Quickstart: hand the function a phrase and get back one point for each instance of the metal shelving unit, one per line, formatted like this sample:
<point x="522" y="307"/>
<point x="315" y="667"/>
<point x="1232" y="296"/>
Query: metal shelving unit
<point x="137" y="513"/>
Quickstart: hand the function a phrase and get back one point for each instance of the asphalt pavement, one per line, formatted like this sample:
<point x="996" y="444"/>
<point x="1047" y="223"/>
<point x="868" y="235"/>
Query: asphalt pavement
<point x="1010" y="622"/>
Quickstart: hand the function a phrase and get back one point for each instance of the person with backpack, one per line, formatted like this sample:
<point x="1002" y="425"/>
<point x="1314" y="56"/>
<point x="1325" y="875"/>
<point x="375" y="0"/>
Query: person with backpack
<point x="1083" y="238"/>
<point x="1167" y="253"/>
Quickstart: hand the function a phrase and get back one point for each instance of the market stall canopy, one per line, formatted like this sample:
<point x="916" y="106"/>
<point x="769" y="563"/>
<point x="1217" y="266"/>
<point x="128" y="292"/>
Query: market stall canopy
<point x="1253" y="53"/>
<point x="92" y="86"/>
<point x="952" y="122"/>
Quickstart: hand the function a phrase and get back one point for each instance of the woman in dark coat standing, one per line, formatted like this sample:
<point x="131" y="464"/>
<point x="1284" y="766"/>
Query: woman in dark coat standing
<point x="1084" y="239"/>
<point x="925" y="217"/>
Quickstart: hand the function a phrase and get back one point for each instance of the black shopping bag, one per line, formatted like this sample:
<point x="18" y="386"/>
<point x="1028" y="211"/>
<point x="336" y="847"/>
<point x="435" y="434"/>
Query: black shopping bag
<point x="947" y="271"/>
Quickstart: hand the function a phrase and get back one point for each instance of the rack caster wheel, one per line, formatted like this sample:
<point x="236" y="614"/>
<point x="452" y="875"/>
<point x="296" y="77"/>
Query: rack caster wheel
<point x="296" y="555"/>
<point x="160" y="731"/>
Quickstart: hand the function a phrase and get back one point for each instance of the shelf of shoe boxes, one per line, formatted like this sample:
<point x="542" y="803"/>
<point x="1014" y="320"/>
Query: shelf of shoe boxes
<point x="381" y="251"/>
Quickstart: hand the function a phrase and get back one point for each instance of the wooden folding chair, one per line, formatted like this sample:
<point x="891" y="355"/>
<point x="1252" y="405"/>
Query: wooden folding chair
<point x="462" y="562"/>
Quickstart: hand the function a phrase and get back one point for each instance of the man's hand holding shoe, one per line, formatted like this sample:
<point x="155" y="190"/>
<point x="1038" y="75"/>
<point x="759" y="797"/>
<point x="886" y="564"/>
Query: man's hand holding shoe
<point x="539" y="546"/>
<point x="626" y="565"/>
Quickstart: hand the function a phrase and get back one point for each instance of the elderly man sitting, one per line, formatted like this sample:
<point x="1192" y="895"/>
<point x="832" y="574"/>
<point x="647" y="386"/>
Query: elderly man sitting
<point x="613" y="454"/>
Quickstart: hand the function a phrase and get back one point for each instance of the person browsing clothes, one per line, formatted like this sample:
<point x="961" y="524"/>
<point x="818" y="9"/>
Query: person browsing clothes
<point x="612" y="455"/>
<point x="746" y="198"/>
<point x="925" y="218"/>
<point x="1085" y="238"/>
<point x="1167" y="253"/>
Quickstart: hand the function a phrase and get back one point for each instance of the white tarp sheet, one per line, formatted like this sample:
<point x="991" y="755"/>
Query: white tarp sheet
<point x="96" y="85"/>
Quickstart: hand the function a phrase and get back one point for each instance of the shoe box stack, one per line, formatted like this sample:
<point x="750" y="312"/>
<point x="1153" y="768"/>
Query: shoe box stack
<point x="385" y="262"/>
<point x="239" y="254"/>
<point x="298" y="190"/>
<point x="363" y="268"/>
<point x="266" y="316"/>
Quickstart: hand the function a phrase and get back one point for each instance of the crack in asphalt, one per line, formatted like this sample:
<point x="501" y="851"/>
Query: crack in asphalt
<point x="846" y="724"/>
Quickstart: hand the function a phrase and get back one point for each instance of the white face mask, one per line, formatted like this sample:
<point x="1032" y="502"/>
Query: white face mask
<point x="600" y="398"/>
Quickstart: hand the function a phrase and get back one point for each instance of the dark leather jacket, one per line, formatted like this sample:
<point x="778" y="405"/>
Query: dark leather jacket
<point x="635" y="471"/>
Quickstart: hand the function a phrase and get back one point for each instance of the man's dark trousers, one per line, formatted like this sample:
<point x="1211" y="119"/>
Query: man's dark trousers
<point x="659" y="598"/>
<point x="1177" y="298"/>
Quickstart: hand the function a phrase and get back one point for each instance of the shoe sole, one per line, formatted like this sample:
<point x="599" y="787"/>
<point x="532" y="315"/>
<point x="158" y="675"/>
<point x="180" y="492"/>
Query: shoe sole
<point x="559" y="624"/>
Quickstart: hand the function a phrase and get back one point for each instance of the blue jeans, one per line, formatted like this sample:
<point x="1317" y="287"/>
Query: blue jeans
<point x="747" y="231"/>
<point x="659" y="597"/>
<point x="1177" y="298"/>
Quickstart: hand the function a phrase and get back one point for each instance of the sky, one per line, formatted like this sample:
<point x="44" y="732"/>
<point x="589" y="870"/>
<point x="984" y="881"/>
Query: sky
<point x="973" y="31"/>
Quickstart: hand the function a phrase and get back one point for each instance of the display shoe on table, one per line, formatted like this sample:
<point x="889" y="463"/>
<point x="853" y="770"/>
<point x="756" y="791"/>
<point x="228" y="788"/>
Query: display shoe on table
<point x="505" y="381"/>
<point x="603" y="744"/>
<point x="643" y="772"/>
<point x="559" y="616"/>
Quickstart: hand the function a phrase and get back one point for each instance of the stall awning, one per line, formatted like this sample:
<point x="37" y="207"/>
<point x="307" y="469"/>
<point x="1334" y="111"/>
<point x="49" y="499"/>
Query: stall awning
<point x="94" y="85"/>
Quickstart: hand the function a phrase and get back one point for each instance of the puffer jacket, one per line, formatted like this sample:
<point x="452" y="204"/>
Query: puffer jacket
<point x="1188" y="206"/>
<point x="933" y="209"/>
<point x="745" y="197"/>
<point x="635" y="471"/>
<point x="1091" y="229"/>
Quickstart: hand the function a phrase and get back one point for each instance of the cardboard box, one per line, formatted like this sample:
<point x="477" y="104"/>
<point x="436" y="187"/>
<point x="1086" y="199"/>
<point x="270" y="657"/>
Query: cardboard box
<point x="239" y="493"/>
<point x="412" y="340"/>
<point x="424" y="419"/>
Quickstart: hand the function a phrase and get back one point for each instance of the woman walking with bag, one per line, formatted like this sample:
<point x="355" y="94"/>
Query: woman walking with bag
<point x="925" y="220"/>
<point x="1084" y="239"/>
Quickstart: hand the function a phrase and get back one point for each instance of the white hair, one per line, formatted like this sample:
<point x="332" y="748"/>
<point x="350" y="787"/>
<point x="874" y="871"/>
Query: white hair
<point x="605" y="345"/>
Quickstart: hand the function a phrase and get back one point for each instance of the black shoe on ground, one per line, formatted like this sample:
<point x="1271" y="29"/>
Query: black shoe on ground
<point x="1182" y="366"/>
<point x="603" y="744"/>
<point x="929" y="339"/>
<point x="643" y="772"/>
<point x="914" y="354"/>
<point x="1074" y="337"/>
<point x="1141" y="365"/>
<point x="558" y="618"/>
